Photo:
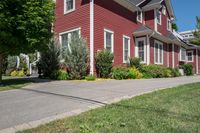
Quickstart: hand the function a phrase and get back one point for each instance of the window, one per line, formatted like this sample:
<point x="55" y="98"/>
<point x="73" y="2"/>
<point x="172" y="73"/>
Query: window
<point x="126" y="49"/>
<point x="65" y="37"/>
<point x="182" y="54"/>
<point x="158" y="16"/>
<point x="139" y="16"/>
<point x="140" y="49"/>
<point x="158" y="52"/>
<point x="69" y="6"/>
<point x="169" y="25"/>
<point x="108" y="40"/>
<point x="190" y="56"/>
<point x="164" y="10"/>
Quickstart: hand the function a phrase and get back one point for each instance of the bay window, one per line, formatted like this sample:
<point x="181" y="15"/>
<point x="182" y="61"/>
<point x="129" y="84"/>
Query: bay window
<point x="158" y="52"/>
<point x="140" y="50"/>
<point x="182" y="54"/>
<point x="190" y="56"/>
<point x="126" y="49"/>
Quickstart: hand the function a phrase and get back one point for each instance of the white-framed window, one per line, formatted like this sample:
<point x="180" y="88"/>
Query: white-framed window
<point x="158" y="52"/>
<point x="126" y="49"/>
<point x="109" y="40"/>
<point x="158" y="17"/>
<point x="164" y="11"/>
<point x="182" y="54"/>
<point x="169" y="24"/>
<point x="69" y="6"/>
<point x="139" y="16"/>
<point x="190" y="55"/>
<point x="65" y="37"/>
<point x="140" y="49"/>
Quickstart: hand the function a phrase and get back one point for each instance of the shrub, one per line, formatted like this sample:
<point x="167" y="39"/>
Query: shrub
<point x="155" y="71"/>
<point x="14" y="73"/>
<point x="76" y="58"/>
<point x="21" y="73"/>
<point x="120" y="73"/>
<point x="90" y="78"/>
<point x="134" y="62"/>
<point x="104" y="62"/>
<point x="175" y="72"/>
<point x="188" y="69"/>
<point x="135" y="73"/>
<point x="59" y="75"/>
<point x="50" y="59"/>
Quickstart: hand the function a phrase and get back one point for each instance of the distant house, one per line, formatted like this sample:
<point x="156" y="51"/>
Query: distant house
<point x="128" y="28"/>
<point x="187" y="35"/>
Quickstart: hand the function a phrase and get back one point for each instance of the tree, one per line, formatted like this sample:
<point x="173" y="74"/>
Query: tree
<point x="174" y="26"/>
<point x="76" y="57"/>
<point x="196" y="40"/>
<point x="25" y="26"/>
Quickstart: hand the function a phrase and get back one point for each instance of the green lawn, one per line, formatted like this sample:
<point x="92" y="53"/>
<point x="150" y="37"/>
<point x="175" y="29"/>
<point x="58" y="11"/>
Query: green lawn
<point x="9" y="83"/>
<point x="175" y="110"/>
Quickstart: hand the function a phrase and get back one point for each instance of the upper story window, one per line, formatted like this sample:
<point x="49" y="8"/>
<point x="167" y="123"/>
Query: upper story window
<point x="169" y="25"/>
<point x="140" y="49"/>
<point x="164" y="11"/>
<point x="182" y="54"/>
<point x="158" y="17"/>
<point x="108" y="40"/>
<point x="139" y="16"/>
<point x="190" y="56"/>
<point x="126" y="49"/>
<point x="158" y="52"/>
<point x="66" y="37"/>
<point x="69" y="6"/>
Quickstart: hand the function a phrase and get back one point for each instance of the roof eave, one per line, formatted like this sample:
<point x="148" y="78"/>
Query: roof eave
<point x="127" y="4"/>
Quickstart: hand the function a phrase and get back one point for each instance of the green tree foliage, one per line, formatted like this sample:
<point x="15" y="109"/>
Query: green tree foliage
<point x="174" y="26"/>
<point x="197" y="33"/>
<point x="76" y="57"/>
<point x="104" y="63"/>
<point x="50" y="59"/>
<point x="25" y="26"/>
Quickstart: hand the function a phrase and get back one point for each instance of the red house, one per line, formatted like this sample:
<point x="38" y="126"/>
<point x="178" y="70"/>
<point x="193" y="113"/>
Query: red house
<point x="128" y="28"/>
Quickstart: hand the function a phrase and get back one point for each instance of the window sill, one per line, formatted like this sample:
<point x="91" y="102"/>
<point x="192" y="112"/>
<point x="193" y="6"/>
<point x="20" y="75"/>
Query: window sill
<point x="68" y="12"/>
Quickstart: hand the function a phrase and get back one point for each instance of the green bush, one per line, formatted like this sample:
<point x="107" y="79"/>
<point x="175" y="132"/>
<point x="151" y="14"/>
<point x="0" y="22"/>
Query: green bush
<point x="50" y="59"/>
<point x="104" y="63"/>
<point x="135" y="73"/>
<point x="188" y="69"/>
<point x="21" y="73"/>
<point x="76" y="58"/>
<point x="175" y="72"/>
<point x="59" y="75"/>
<point x="156" y="71"/>
<point x="14" y="73"/>
<point x="134" y="62"/>
<point x="90" y="78"/>
<point x="120" y="73"/>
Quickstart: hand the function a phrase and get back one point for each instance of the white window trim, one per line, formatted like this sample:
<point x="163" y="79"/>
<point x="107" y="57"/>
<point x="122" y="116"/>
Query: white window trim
<point x="180" y="54"/>
<point x="192" y="56"/>
<point x="145" y="49"/>
<point x="164" y="13"/>
<point x="129" y="53"/>
<point x="74" y="4"/>
<point x="141" y="17"/>
<point x="160" y="23"/>
<point x="112" y="39"/>
<point x="62" y="33"/>
<point x="159" y="43"/>
<point x="169" y="27"/>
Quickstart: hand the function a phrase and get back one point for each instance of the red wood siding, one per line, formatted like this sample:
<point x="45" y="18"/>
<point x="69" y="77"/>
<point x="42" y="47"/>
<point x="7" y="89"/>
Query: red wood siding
<point x="112" y="16"/>
<point x="194" y="60"/>
<point x="78" y="18"/>
<point x="149" y="19"/>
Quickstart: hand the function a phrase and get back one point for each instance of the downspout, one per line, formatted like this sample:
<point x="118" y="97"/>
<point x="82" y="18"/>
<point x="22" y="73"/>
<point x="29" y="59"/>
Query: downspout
<point x="92" y="37"/>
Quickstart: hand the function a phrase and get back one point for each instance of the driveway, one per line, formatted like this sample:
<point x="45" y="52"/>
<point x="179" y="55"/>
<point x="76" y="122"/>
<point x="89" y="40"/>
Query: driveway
<point x="43" y="102"/>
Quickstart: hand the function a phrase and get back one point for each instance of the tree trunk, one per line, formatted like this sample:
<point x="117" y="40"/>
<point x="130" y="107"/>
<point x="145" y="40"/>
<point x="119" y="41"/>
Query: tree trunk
<point x="1" y="67"/>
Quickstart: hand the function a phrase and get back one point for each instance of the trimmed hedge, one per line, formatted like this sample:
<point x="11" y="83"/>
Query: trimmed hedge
<point x="188" y="69"/>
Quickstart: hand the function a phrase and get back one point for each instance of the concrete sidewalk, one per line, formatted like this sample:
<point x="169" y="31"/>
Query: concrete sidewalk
<point x="44" y="102"/>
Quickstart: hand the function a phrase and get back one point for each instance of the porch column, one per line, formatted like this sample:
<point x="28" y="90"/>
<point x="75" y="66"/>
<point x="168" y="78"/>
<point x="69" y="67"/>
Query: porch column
<point x="173" y="65"/>
<point x="148" y="50"/>
<point x="197" y="61"/>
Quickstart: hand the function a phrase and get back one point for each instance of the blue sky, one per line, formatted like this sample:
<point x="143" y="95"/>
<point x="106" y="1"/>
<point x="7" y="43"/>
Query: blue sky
<point x="186" y="12"/>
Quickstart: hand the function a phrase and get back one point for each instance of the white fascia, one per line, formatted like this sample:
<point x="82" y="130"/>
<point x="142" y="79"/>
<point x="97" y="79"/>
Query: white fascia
<point x="197" y="61"/>
<point x="92" y="37"/>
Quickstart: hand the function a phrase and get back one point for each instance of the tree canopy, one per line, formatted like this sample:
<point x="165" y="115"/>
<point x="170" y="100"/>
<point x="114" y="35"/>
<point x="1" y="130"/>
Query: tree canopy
<point x="196" y="40"/>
